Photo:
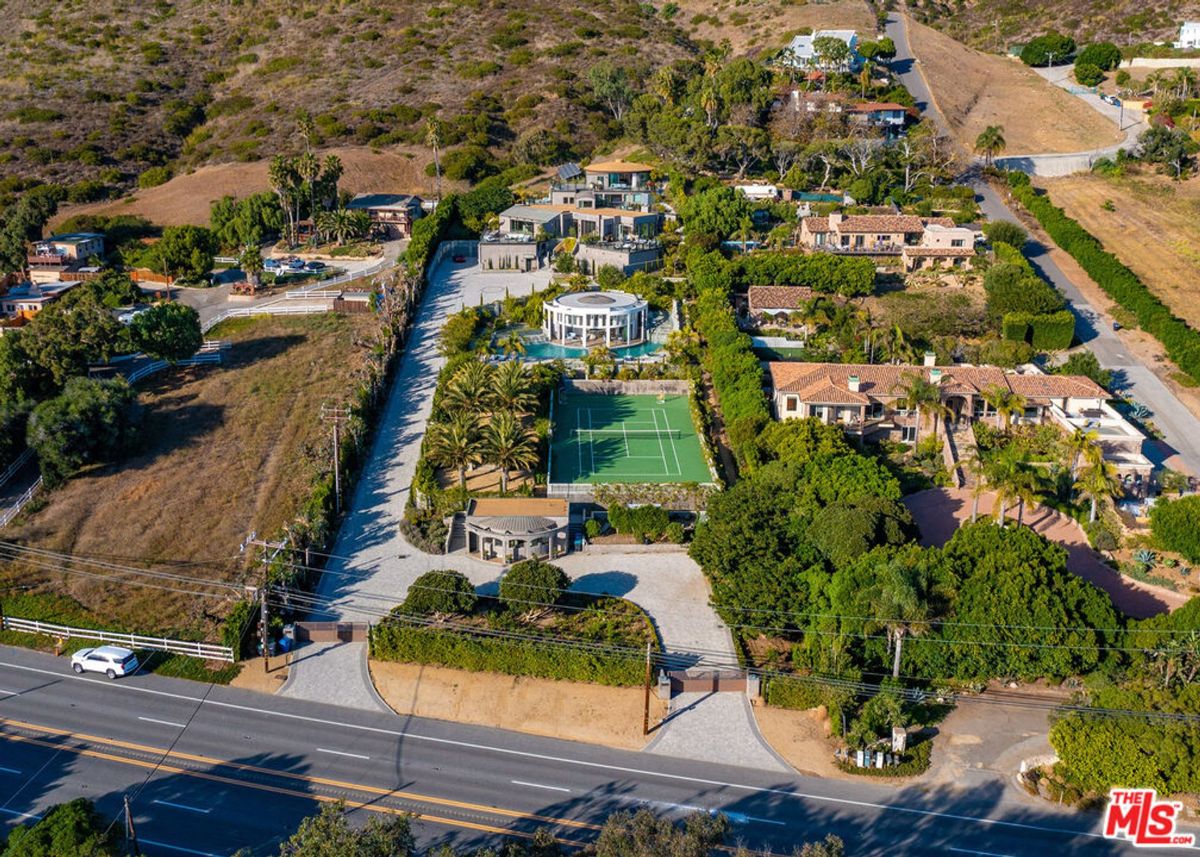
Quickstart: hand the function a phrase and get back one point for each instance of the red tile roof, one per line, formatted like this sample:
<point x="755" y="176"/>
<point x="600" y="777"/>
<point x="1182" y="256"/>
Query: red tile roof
<point x="778" y="297"/>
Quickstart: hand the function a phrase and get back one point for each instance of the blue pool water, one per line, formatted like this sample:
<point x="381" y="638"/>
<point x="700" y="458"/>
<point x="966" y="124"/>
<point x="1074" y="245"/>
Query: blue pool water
<point x="550" y="351"/>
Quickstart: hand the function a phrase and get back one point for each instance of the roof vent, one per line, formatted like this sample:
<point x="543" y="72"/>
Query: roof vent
<point x="854" y="384"/>
<point x="930" y="359"/>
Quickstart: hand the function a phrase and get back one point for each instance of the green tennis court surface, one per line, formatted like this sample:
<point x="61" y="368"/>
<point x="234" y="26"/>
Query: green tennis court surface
<point x="624" y="438"/>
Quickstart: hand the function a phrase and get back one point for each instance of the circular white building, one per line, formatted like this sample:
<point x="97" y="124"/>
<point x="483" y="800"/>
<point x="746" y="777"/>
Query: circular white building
<point x="593" y="319"/>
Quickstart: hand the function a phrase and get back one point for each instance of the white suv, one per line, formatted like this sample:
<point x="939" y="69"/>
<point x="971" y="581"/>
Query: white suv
<point x="110" y="660"/>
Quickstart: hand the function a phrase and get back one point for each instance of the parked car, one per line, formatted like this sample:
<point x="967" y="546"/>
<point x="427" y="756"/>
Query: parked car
<point x="295" y="264"/>
<point x="314" y="266"/>
<point x="272" y="265"/>
<point x="110" y="660"/>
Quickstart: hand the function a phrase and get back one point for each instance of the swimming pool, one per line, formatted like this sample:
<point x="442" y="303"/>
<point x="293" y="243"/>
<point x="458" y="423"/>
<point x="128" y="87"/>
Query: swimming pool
<point x="550" y="351"/>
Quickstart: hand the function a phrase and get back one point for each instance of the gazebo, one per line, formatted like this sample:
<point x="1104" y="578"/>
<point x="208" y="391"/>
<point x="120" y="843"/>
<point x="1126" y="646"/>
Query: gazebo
<point x="592" y="319"/>
<point x="513" y="529"/>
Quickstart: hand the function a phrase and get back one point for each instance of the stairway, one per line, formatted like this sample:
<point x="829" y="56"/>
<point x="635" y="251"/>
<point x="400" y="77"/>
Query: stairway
<point x="960" y="442"/>
<point x="456" y="538"/>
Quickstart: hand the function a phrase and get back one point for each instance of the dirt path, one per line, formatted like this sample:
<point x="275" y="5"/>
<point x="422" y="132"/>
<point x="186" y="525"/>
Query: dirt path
<point x="939" y="512"/>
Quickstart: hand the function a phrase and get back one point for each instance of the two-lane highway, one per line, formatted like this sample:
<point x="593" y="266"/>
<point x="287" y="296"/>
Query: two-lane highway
<point x="232" y="769"/>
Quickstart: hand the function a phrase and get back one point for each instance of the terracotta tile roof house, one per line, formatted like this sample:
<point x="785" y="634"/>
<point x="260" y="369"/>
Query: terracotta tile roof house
<point x="869" y="234"/>
<point x="776" y="299"/>
<point x="867" y="400"/>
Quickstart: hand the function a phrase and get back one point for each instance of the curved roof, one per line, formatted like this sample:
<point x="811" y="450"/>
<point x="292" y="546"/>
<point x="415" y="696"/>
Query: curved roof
<point x="598" y="301"/>
<point x="514" y="525"/>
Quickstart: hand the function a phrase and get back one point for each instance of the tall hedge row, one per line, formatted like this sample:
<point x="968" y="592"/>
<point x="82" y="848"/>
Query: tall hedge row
<point x="1049" y="332"/>
<point x="850" y="276"/>
<point x="422" y="645"/>
<point x="737" y="374"/>
<point x="1181" y="342"/>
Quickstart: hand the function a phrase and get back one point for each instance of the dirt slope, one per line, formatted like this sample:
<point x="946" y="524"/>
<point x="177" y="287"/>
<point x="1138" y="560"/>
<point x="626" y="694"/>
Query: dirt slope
<point x="974" y="90"/>
<point x="759" y="26"/>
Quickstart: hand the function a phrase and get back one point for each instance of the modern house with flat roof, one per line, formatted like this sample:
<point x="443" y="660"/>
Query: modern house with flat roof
<point x="392" y="214"/>
<point x="801" y="51"/>
<point x="1189" y="36"/>
<point x="607" y="184"/>
<point x="67" y="250"/>
<point x="867" y="400"/>
<point x="595" y="319"/>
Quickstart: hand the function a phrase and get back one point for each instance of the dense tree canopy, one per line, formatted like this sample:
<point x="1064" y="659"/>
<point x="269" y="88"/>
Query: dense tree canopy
<point x="441" y="591"/>
<point x="1050" y="47"/>
<point x="169" y="331"/>
<point x="531" y="583"/>
<point x="184" y="252"/>
<point x="1176" y="525"/>
<point x="90" y="422"/>
<point x="71" y="829"/>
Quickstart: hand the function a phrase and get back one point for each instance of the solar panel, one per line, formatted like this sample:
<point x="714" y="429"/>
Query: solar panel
<point x="569" y="171"/>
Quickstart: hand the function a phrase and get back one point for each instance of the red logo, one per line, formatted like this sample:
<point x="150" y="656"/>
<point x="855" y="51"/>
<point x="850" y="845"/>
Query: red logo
<point x="1140" y="817"/>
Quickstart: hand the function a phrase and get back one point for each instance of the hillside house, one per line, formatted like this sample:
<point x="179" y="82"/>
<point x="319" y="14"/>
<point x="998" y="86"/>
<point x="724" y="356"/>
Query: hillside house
<point x="866" y="234"/>
<point x="801" y="53"/>
<point x="628" y="255"/>
<point x="67" y="249"/>
<point x="1189" y="36"/>
<point x="941" y="246"/>
<point x="776" y="301"/>
<point x="392" y="214"/>
<point x="618" y="184"/>
<point x="866" y="401"/>
<point x="887" y="115"/>
<point x="25" y="300"/>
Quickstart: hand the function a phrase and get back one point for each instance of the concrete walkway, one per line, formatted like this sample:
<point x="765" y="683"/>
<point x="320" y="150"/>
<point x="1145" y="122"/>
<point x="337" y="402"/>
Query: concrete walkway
<point x="939" y="512"/>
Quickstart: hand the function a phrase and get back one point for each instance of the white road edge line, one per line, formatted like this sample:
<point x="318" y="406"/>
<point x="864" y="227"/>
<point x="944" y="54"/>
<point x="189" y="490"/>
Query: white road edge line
<point x="980" y="853"/>
<point x="156" y="844"/>
<point x="600" y="766"/>
<point x="340" y="753"/>
<point x="540" y="786"/>
<point x="163" y="722"/>
<point x="182" y="806"/>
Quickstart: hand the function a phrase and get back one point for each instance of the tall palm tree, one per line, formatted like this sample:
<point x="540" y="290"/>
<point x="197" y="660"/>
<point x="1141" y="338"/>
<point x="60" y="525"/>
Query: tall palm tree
<point x="470" y="389"/>
<point x="456" y="443"/>
<point x="331" y="174"/>
<point x="433" y="139"/>
<point x="920" y="394"/>
<point x="900" y="601"/>
<point x="1098" y="481"/>
<point x="990" y="142"/>
<point x="509" y="445"/>
<point x="1013" y="478"/>
<point x="512" y="344"/>
<point x="1078" y="444"/>
<point x="512" y="388"/>
<point x="309" y="169"/>
<point x="285" y="181"/>
<point x="1005" y="403"/>
<point x="899" y="348"/>
<point x="977" y="466"/>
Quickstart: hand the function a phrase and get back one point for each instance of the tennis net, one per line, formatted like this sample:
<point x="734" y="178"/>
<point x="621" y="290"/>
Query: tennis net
<point x="598" y="434"/>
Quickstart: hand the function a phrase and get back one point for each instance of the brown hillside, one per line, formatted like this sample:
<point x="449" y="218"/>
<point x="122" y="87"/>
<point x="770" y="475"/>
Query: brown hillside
<point x="974" y="90"/>
<point x="759" y="26"/>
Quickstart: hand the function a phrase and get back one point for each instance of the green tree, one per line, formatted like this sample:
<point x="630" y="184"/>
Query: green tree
<point x="533" y="584"/>
<point x="1006" y="232"/>
<point x="902" y="599"/>
<point x="329" y="834"/>
<point x="441" y="591"/>
<point x="67" y="336"/>
<point x="72" y="829"/>
<point x="799" y="441"/>
<point x="918" y="393"/>
<point x="168" y="331"/>
<point x="1079" y="443"/>
<point x="343" y="224"/>
<point x="1084" y="362"/>
<point x="1048" y="49"/>
<point x="1087" y="74"/>
<point x="509" y="445"/>
<point x="990" y="142"/>
<point x="1171" y="148"/>
<point x="512" y="388"/>
<point x="1103" y="55"/>
<point x="832" y="53"/>
<point x="469" y="389"/>
<point x="285" y="181"/>
<point x="1012" y="475"/>
<point x="1006" y="404"/>
<point x="250" y="262"/>
<point x="645" y="834"/>
<point x="1176" y="525"/>
<point x="611" y="86"/>
<point x="185" y="253"/>
<point x="90" y="422"/>
<point x="456" y="443"/>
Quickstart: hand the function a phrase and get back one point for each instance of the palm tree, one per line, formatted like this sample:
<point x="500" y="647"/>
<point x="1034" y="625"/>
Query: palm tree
<point x="512" y="389"/>
<point x="433" y="139"/>
<point x="899" y="348"/>
<point x="1005" y="403"/>
<point x="1098" y="481"/>
<point x="285" y="181"/>
<point x="900" y="599"/>
<point x="251" y="262"/>
<point x="920" y="394"/>
<point x="470" y="389"/>
<point x="990" y="142"/>
<point x="342" y="224"/>
<point x="509" y="445"/>
<point x="331" y="174"/>
<point x="976" y="465"/>
<point x="309" y="169"/>
<point x="456" y="443"/>
<point x="864" y="79"/>
<point x="1078" y="444"/>
<point x="512" y="344"/>
<point x="1184" y="81"/>
<point x="1014" y="480"/>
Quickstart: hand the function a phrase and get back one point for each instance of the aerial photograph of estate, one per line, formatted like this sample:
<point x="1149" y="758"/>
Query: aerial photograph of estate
<point x="492" y="428"/>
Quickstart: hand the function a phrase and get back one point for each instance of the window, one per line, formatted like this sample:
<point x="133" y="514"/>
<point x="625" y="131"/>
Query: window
<point x="956" y="242"/>
<point x="876" y="410"/>
<point x="790" y="404"/>
<point x="908" y="434"/>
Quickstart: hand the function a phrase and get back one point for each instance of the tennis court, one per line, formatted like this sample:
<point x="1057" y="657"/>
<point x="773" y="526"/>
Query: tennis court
<point x="599" y="438"/>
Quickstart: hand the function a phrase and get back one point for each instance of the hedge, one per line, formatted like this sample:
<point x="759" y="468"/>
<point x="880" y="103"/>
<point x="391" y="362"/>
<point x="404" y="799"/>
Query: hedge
<point x="1046" y="332"/>
<point x="1176" y="525"/>
<point x="1015" y="326"/>
<point x="421" y="645"/>
<point x="796" y="693"/>
<point x="850" y="276"/>
<point x="1182" y="343"/>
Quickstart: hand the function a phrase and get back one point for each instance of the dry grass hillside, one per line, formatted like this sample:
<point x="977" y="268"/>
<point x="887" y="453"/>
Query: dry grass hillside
<point x="994" y="25"/>
<point x="102" y="90"/>
<point x="1153" y="227"/>
<point x="974" y="90"/>
<point x="764" y="26"/>
<point x="188" y="198"/>
<point x="226" y="450"/>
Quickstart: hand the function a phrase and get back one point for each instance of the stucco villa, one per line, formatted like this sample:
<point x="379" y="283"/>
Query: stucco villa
<point x="511" y="529"/>
<point x="593" y="319"/>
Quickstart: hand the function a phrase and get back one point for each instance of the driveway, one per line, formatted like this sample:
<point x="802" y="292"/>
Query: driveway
<point x="940" y="511"/>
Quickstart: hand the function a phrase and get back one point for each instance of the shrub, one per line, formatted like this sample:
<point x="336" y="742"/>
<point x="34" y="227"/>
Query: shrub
<point x="644" y="522"/>
<point x="1052" y="331"/>
<point x="675" y="533"/>
<point x="1103" y="55"/>
<point x="1087" y="74"/>
<point x="442" y="591"/>
<point x="1176" y="525"/>
<point x="532" y="583"/>
<point x="91" y="422"/>
<point x="1006" y="232"/>
<point x="591" y="528"/>
<point x="169" y="331"/>
<point x="1101" y="535"/>
<point x="153" y="177"/>
<point x="1051" y="47"/>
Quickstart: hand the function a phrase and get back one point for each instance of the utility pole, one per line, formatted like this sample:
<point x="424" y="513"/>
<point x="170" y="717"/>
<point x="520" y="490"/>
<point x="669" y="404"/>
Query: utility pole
<point x="646" y="707"/>
<point x="336" y="414"/>
<point x="263" y="593"/>
<point x="131" y="843"/>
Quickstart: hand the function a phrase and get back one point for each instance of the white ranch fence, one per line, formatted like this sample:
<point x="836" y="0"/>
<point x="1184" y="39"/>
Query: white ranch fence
<point x="207" y="651"/>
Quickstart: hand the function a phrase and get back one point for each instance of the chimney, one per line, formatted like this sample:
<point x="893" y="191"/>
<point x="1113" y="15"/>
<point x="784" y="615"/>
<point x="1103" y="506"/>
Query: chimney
<point x="836" y="218"/>
<point x="935" y="375"/>
<point x="930" y="359"/>
<point x="853" y="384"/>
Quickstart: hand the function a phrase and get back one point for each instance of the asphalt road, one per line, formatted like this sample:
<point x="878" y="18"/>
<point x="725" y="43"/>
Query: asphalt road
<point x="1177" y="423"/>
<point x="243" y="769"/>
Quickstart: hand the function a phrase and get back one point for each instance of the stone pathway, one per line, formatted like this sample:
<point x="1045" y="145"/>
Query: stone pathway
<point x="939" y="512"/>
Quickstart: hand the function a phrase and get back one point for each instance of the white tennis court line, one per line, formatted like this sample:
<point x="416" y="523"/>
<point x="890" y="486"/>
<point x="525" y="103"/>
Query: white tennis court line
<point x="671" y="440"/>
<point x="661" y="449"/>
<point x="591" y="443"/>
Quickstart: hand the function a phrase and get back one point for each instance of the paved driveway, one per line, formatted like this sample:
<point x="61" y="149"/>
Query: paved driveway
<point x="939" y="512"/>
